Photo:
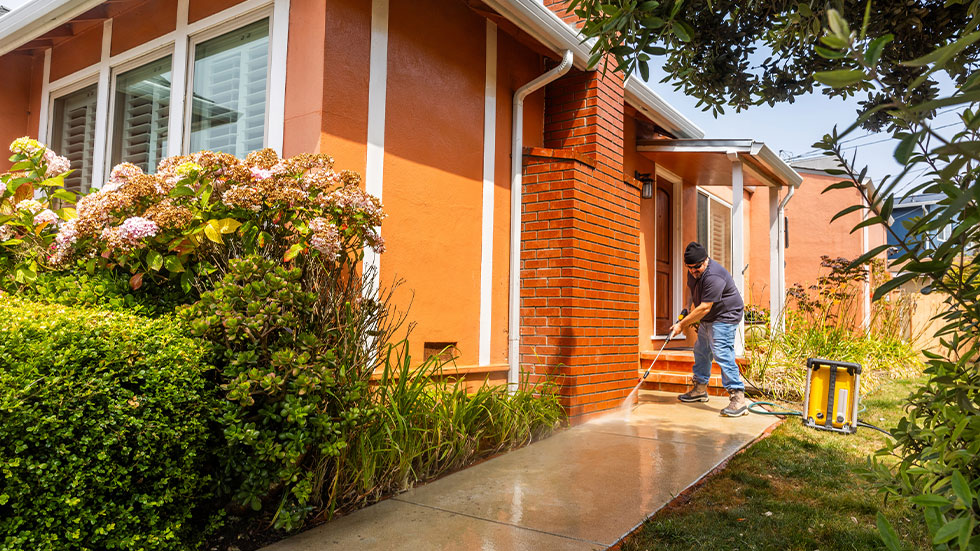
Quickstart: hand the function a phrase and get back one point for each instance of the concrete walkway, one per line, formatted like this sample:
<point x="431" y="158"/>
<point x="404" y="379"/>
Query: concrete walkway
<point x="581" y="489"/>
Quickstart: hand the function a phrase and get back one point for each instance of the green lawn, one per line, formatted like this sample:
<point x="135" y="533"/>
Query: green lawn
<point x="795" y="490"/>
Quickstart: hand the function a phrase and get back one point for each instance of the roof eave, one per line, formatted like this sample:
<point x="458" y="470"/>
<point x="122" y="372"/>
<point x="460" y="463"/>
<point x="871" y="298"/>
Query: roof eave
<point x="547" y="28"/>
<point x="757" y="150"/>
<point x="38" y="17"/>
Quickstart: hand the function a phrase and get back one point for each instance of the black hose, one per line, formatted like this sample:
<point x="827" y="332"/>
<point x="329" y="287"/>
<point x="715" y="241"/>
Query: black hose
<point x="861" y="423"/>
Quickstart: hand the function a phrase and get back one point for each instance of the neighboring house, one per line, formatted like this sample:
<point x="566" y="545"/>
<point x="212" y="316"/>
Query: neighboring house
<point x="578" y="276"/>
<point x="811" y="234"/>
<point x="905" y="212"/>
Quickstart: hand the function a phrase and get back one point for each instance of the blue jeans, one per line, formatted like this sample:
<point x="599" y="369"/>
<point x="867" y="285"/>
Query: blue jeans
<point x="716" y="339"/>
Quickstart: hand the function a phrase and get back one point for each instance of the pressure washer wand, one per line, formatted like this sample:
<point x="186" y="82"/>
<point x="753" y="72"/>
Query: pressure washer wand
<point x="644" y="377"/>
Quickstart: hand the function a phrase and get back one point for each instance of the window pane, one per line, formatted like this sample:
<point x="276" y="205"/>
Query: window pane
<point x="228" y="106"/>
<point x="142" y="115"/>
<point x="73" y="135"/>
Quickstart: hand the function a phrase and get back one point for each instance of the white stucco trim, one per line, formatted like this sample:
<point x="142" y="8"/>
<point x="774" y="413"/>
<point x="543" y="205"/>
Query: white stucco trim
<point x="178" y="73"/>
<point x="42" y="123"/>
<point x="276" y="107"/>
<point x="489" y="159"/>
<point x="377" y="99"/>
<point x="102" y="110"/>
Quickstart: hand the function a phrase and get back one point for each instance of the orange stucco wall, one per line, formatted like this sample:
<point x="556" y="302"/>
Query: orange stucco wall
<point x="433" y="171"/>
<point x="142" y="23"/>
<point x="757" y="278"/>
<point x="199" y="9"/>
<point x="76" y="53"/>
<point x="15" y="97"/>
<point x="635" y="162"/>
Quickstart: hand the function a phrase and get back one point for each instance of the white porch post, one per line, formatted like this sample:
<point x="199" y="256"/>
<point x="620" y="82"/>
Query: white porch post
<point x="738" y="240"/>
<point x="776" y="292"/>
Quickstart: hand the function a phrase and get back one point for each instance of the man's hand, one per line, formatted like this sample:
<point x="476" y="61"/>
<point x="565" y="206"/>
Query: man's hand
<point x="675" y="330"/>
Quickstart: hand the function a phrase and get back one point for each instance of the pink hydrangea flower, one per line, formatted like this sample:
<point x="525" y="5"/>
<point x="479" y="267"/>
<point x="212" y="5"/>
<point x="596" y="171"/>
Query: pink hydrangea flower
<point x="30" y="205"/>
<point x="67" y="234"/>
<point x="261" y="174"/>
<point x="325" y="237"/>
<point x="56" y="164"/>
<point x="46" y="216"/>
<point x="136" y="228"/>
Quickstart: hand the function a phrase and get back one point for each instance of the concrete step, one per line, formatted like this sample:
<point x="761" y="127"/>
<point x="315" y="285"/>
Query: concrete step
<point x="672" y="381"/>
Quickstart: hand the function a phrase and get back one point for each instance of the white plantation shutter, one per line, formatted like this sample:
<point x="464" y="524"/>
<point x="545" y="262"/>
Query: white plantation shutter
<point x="720" y="241"/>
<point x="715" y="229"/>
<point x="142" y="114"/>
<point x="73" y="135"/>
<point x="230" y="90"/>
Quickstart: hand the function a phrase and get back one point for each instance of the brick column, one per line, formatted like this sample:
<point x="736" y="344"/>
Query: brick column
<point x="579" y="280"/>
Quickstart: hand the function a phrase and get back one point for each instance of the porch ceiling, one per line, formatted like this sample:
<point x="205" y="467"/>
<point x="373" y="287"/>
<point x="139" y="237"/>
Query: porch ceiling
<point x="709" y="162"/>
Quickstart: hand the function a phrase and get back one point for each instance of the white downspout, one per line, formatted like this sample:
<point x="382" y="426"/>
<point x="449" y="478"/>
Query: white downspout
<point x="782" y="256"/>
<point x="516" y="171"/>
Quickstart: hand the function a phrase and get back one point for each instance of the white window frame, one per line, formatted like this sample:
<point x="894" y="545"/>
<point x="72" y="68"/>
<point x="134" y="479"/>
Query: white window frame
<point x="177" y="43"/>
<point x="59" y="93"/>
<point x="215" y="32"/>
<point x="713" y="197"/>
<point x="114" y="73"/>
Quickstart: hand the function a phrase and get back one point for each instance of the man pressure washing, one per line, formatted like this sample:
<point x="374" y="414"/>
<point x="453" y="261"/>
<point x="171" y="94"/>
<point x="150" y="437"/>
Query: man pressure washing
<point x="717" y="309"/>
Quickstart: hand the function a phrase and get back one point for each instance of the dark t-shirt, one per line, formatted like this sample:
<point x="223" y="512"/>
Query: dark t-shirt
<point x="717" y="287"/>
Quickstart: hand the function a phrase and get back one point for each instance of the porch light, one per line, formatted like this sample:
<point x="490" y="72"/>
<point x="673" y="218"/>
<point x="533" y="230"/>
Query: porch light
<point x="646" y="179"/>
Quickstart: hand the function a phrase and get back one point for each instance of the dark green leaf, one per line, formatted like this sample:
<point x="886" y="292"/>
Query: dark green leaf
<point x="930" y="500"/>
<point x="941" y="55"/>
<point x="893" y="283"/>
<point x="839" y="78"/>
<point x="949" y="530"/>
<point x="887" y="533"/>
<point x="905" y="148"/>
<point x="962" y="489"/>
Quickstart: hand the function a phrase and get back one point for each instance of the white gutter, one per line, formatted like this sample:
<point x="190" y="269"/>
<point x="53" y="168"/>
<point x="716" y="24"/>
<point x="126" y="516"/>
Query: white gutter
<point x="516" y="171"/>
<point x="758" y="150"/>
<point x="37" y="17"/>
<point x="546" y="27"/>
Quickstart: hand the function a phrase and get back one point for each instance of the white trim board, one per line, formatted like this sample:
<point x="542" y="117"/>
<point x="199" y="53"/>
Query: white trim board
<point x="489" y="158"/>
<point x="377" y="99"/>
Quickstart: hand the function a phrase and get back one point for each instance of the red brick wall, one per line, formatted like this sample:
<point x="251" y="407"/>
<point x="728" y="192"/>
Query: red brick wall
<point x="579" y="280"/>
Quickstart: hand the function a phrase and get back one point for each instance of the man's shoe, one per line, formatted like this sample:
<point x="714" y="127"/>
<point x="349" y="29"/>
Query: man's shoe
<point x="697" y="394"/>
<point x="737" y="405"/>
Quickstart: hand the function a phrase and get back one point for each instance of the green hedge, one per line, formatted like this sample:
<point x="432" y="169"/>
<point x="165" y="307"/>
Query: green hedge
<point x="104" y="431"/>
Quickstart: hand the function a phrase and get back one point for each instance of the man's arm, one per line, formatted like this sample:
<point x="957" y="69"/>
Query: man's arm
<point x="694" y="316"/>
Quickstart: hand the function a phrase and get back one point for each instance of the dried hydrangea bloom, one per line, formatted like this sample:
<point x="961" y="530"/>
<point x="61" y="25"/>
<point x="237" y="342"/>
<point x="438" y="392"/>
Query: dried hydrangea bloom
<point x="321" y="179"/>
<point x="353" y="200"/>
<point x="262" y="159"/>
<point x="30" y="205"/>
<point x="26" y="146"/>
<point x="350" y="178"/>
<point x="168" y="215"/>
<point x="6" y="232"/>
<point x="56" y="164"/>
<point x="324" y="237"/>
<point x="130" y="234"/>
<point x="243" y="197"/>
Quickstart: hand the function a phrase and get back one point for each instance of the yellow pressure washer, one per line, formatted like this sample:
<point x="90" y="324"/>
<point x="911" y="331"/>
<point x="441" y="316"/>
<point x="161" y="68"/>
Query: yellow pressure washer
<point x="832" y="395"/>
<point x="831" y="398"/>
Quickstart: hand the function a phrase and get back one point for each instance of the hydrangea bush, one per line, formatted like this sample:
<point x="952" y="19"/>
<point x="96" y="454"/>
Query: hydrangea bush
<point x="185" y="222"/>
<point x="31" y="195"/>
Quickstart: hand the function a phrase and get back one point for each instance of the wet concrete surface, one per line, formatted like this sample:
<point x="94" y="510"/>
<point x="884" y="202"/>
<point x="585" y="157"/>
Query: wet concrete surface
<point x="583" y="488"/>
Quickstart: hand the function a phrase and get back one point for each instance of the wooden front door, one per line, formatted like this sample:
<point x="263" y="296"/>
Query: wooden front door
<point x="662" y="297"/>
